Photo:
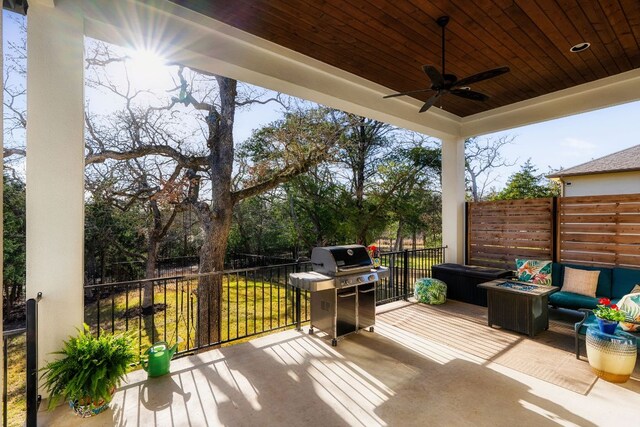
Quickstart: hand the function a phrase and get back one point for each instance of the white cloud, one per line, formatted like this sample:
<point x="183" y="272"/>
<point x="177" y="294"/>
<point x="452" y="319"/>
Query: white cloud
<point x="579" y="147"/>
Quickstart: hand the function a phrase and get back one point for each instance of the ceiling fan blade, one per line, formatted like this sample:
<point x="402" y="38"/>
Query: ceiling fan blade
<point x="430" y="102"/>
<point x="469" y="94"/>
<point x="411" y="92"/>
<point x="437" y="81"/>
<point x="485" y="75"/>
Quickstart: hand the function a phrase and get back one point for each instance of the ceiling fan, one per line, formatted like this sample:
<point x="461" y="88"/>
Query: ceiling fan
<point x="442" y="83"/>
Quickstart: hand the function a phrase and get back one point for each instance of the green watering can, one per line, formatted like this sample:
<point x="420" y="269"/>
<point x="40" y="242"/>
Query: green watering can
<point x="158" y="359"/>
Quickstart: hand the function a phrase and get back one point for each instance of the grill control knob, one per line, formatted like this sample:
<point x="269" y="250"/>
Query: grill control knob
<point x="359" y="280"/>
<point x="371" y="278"/>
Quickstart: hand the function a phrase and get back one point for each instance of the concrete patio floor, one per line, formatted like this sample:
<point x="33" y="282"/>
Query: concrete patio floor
<point x="423" y="366"/>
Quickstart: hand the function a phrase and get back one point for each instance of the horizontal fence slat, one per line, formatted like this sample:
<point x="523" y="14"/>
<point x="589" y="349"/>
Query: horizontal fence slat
<point x="589" y="257"/>
<point x="602" y="247"/>
<point x="531" y="227"/>
<point x="495" y="256"/>
<point x="515" y="239"/>
<point x="506" y="264"/>
<point x="600" y="219"/>
<point x="610" y="208"/>
<point x="602" y="228"/>
<point x="512" y="219"/>
<point x="615" y="198"/>
<point x="600" y="238"/>
<point x="515" y="251"/>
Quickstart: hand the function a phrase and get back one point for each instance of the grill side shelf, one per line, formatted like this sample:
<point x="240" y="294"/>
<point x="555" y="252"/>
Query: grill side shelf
<point x="311" y="281"/>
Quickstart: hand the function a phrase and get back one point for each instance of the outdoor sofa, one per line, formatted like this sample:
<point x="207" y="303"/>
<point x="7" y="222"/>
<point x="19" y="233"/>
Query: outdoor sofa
<point x="613" y="283"/>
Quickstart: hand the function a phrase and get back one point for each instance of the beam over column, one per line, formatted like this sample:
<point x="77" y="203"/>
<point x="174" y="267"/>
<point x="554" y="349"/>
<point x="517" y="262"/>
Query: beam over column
<point x="55" y="170"/>
<point x="453" y="198"/>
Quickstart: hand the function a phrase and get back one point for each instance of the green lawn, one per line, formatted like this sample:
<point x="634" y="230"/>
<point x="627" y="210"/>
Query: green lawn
<point x="16" y="380"/>
<point x="249" y="307"/>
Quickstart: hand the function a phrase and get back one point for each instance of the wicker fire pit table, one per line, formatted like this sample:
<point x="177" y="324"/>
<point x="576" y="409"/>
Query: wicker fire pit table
<point x="518" y="306"/>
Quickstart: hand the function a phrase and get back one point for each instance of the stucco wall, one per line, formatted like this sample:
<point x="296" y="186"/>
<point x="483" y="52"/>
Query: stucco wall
<point x="599" y="184"/>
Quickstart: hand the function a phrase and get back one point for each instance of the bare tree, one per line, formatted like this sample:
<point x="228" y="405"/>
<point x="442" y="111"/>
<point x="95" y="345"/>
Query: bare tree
<point x="14" y="99"/>
<point x="482" y="158"/>
<point x="209" y="163"/>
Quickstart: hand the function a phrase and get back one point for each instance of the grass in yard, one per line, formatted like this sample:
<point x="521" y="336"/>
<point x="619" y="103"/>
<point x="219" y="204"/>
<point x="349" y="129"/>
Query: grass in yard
<point x="16" y="380"/>
<point x="250" y="306"/>
<point x="419" y="262"/>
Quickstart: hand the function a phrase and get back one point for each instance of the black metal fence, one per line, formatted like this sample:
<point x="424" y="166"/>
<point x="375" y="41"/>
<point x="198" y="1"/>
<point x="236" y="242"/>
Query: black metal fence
<point x="405" y="267"/>
<point x="251" y="301"/>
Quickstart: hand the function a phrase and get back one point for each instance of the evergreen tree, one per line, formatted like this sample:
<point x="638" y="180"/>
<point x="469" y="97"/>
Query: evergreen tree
<point x="528" y="184"/>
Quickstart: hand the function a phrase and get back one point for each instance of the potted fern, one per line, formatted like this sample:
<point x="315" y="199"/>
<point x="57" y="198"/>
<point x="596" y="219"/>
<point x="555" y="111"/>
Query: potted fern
<point x="88" y="371"/>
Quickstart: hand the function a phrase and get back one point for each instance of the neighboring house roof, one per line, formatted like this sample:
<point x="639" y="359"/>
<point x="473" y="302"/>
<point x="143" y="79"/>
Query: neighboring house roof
<point x="623" y="161"/>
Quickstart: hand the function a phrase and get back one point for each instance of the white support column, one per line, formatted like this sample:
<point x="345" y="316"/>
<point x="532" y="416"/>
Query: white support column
<point x="55" y="170"/>
<point x="453" y="193"/>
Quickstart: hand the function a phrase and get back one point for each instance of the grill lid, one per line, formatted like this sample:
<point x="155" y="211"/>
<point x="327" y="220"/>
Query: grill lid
<point x="341" y="260"/>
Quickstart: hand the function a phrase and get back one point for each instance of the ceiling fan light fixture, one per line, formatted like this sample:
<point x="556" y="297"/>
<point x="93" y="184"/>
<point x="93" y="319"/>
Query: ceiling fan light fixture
<point x="443" y="83"/>
<point x="580" y="47"/>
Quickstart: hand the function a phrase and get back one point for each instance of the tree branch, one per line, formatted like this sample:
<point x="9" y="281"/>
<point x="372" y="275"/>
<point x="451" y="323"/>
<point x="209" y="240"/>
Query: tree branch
<point x="8" y="152"/>
<point x="187" y="162"/>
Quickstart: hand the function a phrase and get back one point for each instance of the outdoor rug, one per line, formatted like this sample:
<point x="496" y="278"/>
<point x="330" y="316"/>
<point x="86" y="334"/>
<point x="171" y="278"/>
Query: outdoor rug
<point x="549" y="356"/>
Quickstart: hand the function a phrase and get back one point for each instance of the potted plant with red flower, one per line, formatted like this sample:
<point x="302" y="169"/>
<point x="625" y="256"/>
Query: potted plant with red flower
<point x="374" y="253"/>
<point x="608" y="315"/>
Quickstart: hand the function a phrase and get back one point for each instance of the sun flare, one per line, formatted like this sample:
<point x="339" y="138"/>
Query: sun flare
<point x="146" y="62"/>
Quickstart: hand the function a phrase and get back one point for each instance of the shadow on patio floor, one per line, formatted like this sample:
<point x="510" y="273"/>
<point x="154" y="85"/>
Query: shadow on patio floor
<point x="396" y="376"/>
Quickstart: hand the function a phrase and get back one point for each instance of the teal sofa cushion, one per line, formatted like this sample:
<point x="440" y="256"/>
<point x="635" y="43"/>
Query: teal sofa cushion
<point x="604" y="279"/>
<point x="556" y="274"/>
<point x="624" y="279"/>
<point x="572" y="301"/>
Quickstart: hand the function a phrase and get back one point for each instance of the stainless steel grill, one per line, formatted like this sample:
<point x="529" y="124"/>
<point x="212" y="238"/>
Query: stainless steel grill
<point x="342" y="286"/>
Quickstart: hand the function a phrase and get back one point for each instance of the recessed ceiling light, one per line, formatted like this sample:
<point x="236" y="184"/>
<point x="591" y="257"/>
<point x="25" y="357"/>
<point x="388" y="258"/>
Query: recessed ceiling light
<point x="580" y="47"/>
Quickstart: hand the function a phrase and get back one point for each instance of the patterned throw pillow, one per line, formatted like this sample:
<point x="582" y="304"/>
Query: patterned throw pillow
<point x="534" y="271"/>
<point x="578" y="281"/>
<point x="430" y="291"/>
<point x="630" y="304"/>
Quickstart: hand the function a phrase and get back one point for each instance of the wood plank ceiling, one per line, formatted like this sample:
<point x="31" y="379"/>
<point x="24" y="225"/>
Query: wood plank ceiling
<point x="387" y="42"/>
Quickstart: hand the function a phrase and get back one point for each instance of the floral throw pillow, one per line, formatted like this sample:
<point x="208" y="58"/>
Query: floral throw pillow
<point x="534" y="271"/>
<point x="630" y="305"/>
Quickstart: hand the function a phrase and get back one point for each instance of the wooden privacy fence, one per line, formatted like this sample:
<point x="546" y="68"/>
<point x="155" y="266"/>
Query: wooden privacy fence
<point x="599" y="230"/>
<point x="590" y="230"/>
<point x="498" y="232"/>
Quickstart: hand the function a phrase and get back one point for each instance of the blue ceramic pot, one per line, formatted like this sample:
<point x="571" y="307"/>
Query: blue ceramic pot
<point x="607" y="326"/>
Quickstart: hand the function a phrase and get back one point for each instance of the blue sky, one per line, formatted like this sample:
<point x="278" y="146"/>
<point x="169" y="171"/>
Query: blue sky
<point x="573" y="140"/>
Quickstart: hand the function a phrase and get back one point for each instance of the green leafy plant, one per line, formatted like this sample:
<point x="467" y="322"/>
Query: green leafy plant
<point x="608" y="311"/>
<point x="90" y="368"/>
